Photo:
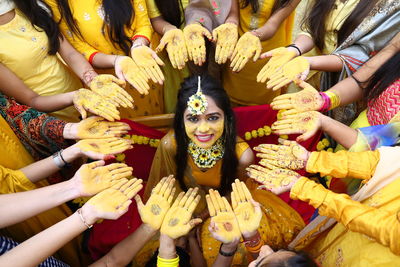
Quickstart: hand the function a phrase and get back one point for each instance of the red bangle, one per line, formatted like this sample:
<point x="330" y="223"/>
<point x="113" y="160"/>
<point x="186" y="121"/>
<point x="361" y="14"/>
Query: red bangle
<point x="91" y="57"/>
<point x="138" y="36"/>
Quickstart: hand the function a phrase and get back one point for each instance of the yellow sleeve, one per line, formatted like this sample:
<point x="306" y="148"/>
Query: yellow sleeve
<point x="167" y="263"/>
<point x="381" y="225"/>
<point x="77" y="42"/>
<point x="342" y="164"/>
<point x="152" y="9"/>
<point x="14" y="181"/>
<point x="142" y="26"/>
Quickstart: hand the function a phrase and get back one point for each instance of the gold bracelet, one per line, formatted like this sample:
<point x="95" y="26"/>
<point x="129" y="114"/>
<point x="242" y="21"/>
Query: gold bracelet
<point x="335" y="99"/>
<point x="79" y="211"/>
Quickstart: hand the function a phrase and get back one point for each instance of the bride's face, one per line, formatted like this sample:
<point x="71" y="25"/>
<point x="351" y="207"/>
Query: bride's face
<point x="205" y="129"/>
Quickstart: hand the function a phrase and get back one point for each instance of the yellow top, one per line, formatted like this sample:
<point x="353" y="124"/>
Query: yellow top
<point x="367" y="232"/>
<point x="334" y="22"/>
<point x="243" y="87"/>
<point x="154" y="12"/>
<point x="24" y="50"/>
<point x="89" y="17"/>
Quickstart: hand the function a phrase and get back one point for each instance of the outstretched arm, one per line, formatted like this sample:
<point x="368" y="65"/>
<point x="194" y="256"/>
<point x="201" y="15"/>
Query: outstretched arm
<point x="379" y="224"/>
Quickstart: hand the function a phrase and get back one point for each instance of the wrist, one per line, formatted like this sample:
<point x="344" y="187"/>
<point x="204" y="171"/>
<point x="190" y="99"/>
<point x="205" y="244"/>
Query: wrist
<point x="228" y="250"/>
<point x="256" y="33"/>
<point x="167" y="248"/>
<point x="148" y="229"/>
<point x="88" y="214"/>
<point x="71" y="153"/>
<point x="67" y="131"/>
<point x="88" y="75"/>
<point x="167" y="28"/>
<point x="250" y="235"/>
<point x="295" y="48"/>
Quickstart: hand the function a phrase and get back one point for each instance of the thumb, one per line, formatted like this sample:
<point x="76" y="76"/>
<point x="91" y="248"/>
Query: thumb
<point x="161" y="46"/>
<point x="215" y="35"/>
<point x="139" y="202"/>
<point x="195" y="222"/>
<point x="305" y="136"/>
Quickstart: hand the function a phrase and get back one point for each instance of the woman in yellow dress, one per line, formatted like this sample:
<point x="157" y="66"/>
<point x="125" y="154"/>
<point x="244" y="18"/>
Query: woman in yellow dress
<point x="262" y="25"/>
<point x="368" y="220"/>
<point x="105" y="32"/>
<point x="204" y="151"/>
<point x="30" y="70"/>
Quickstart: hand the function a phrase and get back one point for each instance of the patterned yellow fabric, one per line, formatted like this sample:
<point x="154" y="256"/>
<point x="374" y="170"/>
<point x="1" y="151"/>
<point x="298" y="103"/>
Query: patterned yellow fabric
<point x="153" y="10"/>
<point x="14" y="156"/>
<point x="24" y="50"/>
<point x="367" y="233"/>
<point x="344" y="164"/>
<point x="89" y="17"/>
<point x="334" y="22"/>
<point x="242" y="87"/>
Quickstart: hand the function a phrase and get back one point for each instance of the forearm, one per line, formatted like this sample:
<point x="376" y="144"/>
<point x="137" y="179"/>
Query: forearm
<point x="46" y="243"/>
<point x="167" y="248"/>
<point x="329" y="63"/>
<point x="161" y="26"/>
<point x="123" y="253"/>
<point x="233" y="16"/>
<point x="46" y="167"/>
<point x="378" y="224"/>
<point x="268" y="30"/>
<point x="304" y="42"/>
<point x="196" y="255"/>
<point x="340" y="132"/>
<point x="104" y="61"/>
<point x="51" y="103"/>
<point x="344" y="164"/>
<point x="23" y="205"/>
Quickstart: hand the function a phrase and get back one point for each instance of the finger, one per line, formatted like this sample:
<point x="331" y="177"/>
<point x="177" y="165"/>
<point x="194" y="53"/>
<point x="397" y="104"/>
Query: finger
<point x="258" y="53"/>
<point x="246" y="191"/>
<point x="126" y="185"/>
<point x="194" y="204"/>
<point x="95" y="164"/>
<point x="119" y="184"/>
<point x="226" y="204"/>
<point x="134" y="189"/>
<point x="191" y="198"/>
<point x="233" y="198"/>
<point x="195" y="222"/>
<point x="242" y="64"/>
<point x="215" y="35"/>
<point x="185" y="197"/>
<point x="210" y="205"/>
<point x="240" y="191"/>
<point x="214" y="200"/>
<point x="221" y="204"/>
<point x="171" y="196"/>
<point x="161" y="46"/>
<point x="207" y="34"/>
<point x="286" y="142"/>
<point x="281" y="84"/>
<point x="164" y="186"/>
<point x="168" y="191"/>
<point x="156" y="190"/>
<point x="139" y="202"/>
<point x="124" y="207"/>
<point x="178" y="199"/>
<point x="307" y="135"/>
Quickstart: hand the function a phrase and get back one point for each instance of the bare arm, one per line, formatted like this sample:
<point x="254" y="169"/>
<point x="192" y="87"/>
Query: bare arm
<point x="245" y="160"/>
<point x="233" y="16"/>
<point x="123" y="253"/>
<point x="12" y="86"/>
<point x="330" y="63"/>
<point x="76" y="61"/>
<point x="304" y="42"/>
<point x="23" y="205"/>
<point x="268" y="30"/>
<point x="340" y="132"/>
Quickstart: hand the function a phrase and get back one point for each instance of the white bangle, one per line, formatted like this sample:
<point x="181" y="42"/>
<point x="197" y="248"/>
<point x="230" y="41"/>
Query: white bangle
<point x="79" y="211"/>
<point x="57" y="160"/>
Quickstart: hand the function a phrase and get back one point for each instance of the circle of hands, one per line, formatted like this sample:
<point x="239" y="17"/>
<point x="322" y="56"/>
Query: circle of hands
<point x="276" y="171"/>
<point x="174" y="218"/>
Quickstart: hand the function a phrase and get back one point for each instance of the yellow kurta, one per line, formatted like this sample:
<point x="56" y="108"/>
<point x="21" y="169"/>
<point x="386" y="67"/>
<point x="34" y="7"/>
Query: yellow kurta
<point x="334" y="22"/>
<point x="89" y="17"/>
<point x="277" y="235"/>
<point x="173" y="77"/>
<point x="243" y="87"/>
<point x="24" y="50"/>
<point x="367" y="233"/>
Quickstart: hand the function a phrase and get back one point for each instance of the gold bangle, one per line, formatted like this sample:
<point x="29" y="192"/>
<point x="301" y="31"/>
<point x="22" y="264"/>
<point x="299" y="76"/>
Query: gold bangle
<point x="79" y="211"/>
<point x="335" y="99"/>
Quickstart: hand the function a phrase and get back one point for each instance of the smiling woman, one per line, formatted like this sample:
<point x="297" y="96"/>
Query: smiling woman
<point x="204" y="151"/>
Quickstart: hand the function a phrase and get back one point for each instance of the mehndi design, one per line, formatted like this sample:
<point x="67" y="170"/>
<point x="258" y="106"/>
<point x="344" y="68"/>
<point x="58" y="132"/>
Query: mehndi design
<point x="177" y="221"/>
<point x="223" y="219"/>
<point x="196" y="46"/>
<point x="174" y="40"/>
<point x="156" y="208"/>
<point x="248" y="46"/>
<point x="226" y="37"/>
<point x="247" y="213"/>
